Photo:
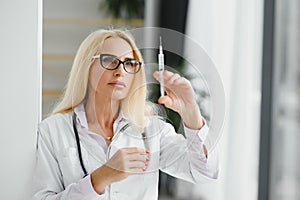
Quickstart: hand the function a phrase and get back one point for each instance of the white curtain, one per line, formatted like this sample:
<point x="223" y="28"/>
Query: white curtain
<point x="231" y="34"/>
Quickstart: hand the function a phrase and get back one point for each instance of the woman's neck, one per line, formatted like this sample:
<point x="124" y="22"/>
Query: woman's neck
<point x="101" y="111"/>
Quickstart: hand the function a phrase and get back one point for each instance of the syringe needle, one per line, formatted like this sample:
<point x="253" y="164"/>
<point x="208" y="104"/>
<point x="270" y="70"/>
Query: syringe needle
<point x="160" y="43"/>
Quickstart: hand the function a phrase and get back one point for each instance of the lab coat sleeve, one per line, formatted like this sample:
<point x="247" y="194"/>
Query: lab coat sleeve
<point x="48" y="181"/>
<point x="184" y="157"/>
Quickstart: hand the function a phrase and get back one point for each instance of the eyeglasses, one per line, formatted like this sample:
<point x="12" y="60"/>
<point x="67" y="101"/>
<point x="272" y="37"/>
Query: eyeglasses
<point x="111" y="62"/>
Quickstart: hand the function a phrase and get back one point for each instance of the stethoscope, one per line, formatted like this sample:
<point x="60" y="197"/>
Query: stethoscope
<point x="144" y="137"/>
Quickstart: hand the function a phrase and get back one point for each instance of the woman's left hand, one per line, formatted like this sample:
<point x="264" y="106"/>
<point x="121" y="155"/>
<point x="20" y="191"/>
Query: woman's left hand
<point x="180" y="98"/>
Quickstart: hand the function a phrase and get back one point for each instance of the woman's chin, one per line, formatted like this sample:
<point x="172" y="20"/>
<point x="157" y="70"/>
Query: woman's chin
<point x="117" y="96"/>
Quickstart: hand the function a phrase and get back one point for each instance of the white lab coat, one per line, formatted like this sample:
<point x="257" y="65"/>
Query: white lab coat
<point x="59" y="175"/>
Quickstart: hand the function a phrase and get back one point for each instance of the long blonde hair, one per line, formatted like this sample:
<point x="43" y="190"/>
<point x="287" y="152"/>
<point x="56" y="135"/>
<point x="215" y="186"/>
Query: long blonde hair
<point x="134" y="106"/>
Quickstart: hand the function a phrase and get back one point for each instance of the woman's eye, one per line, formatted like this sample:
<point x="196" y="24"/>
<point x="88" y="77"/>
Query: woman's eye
<point x="108" y="60"/>
<point x="129" y="63"/>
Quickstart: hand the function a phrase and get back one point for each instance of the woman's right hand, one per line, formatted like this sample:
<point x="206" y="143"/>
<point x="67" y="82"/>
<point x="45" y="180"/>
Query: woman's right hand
<point x="125" y="161"/>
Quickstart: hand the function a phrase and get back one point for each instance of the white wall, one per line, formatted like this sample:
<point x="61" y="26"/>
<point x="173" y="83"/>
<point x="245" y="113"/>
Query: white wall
<point x="20" y="101"/>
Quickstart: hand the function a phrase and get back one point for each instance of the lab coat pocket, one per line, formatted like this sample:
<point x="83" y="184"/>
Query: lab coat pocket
<point x="70" y="165"/>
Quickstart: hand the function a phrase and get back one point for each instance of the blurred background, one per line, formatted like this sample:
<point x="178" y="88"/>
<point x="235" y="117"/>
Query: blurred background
<point x="254" y="46"/>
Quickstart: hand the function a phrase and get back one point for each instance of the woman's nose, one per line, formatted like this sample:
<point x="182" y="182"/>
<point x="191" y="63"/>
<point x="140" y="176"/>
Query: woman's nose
<point x="120" y="71"/>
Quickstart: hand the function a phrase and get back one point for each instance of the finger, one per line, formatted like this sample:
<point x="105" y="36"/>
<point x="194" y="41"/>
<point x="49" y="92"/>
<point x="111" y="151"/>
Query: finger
<point x="166" y="100"/>
<point x="136" y="170"/>
<point x="156" y="75"/>
<point x="182" y="81"/>
<point x="172" y="79"/>
<point x="136" y="164"/>
<point x="132" y="150"/>
<point x="166" y="74"/>
<point x="138" y="157"/>
<point x="179" y="80"/>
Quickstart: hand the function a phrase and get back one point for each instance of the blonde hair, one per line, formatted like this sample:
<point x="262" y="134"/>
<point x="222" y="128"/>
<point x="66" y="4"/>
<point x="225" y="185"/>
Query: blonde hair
<point x="134" y="106"/>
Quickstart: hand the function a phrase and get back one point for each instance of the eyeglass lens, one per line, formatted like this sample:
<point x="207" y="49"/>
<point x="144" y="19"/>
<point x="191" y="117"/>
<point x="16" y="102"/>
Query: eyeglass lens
<point x="111" y="62"/>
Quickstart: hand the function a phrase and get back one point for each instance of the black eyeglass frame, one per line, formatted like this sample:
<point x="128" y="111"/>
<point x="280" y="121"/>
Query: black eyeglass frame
<point x="100" y="56"/>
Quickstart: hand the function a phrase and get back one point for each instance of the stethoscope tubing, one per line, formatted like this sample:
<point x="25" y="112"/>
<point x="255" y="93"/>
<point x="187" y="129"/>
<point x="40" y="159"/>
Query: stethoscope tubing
<point x="78" y="145"/>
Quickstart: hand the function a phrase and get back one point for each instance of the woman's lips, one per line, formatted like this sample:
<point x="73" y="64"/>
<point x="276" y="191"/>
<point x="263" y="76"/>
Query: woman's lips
<point x="117" y="84"/>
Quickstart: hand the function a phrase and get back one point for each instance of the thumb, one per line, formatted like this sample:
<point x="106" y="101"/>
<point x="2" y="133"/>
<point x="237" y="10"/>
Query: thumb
<point x="167" y="101"/>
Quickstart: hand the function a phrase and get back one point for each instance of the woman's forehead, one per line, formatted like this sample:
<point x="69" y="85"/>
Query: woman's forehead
<point x="117" y="46"/>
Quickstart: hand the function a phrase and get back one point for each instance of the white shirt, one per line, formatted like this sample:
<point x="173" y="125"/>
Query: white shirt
<point x="59" y="175"/>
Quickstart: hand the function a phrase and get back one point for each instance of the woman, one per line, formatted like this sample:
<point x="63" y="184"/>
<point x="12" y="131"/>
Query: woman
<point x="121" y="144"/>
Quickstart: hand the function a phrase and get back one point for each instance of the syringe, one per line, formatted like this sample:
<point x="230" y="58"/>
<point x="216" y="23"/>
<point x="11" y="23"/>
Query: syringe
<point x="161" y="68"/>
